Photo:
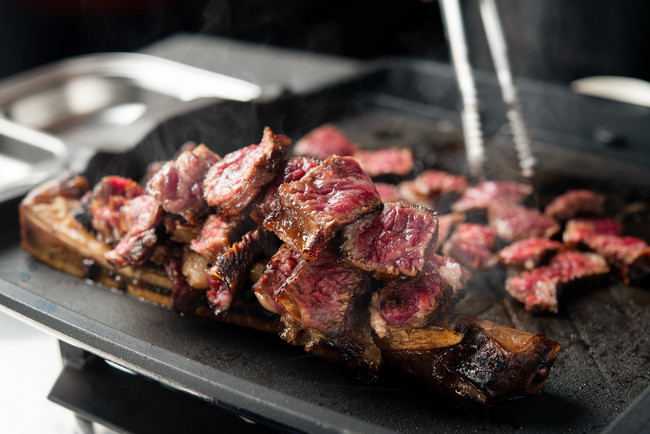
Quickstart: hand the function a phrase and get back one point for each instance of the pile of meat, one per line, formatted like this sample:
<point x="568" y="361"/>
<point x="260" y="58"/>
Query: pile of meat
<point x="331" y="258"/>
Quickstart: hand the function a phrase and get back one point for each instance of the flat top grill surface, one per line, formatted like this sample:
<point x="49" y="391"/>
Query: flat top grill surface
<point x="601" y="369"/>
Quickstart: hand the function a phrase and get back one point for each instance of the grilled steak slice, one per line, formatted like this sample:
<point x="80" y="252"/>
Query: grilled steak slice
<point x="99" y="210"/>
<point x="513" y="222"/>
<point x="231" y="184"/>
<point x="411" y="303"/>
<point x="628" y="256"/>
<point x="530" y="253"/>
<point x="539" y="289"/>
<point x="178" y="185"/>
<point x="277" y="271"/>
<point x="291" y="170"/>
<point x="229" y="273"/>
<point x="482" y="195"/>
<point x="388" y="192"/>
<point x="394" y="242"/>
<point x="328" y="197"/>
<point x="432" y="185"/>
<point x="139" y="218"/>
<point x="67" y="185"/>
<point x="574" y="203"/>
<point x="390" y="161"/>
<point x="323" y="142"/>
<point x="446" y="224"/>
<point x="217" y="233"/>
<point x="185" y="299"/>
<point x="576" y="230"/>
<point x="472" y="360"/>
<point x="472" y="245"/>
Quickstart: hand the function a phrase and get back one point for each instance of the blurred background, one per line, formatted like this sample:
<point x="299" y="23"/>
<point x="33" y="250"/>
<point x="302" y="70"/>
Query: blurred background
<point x="551" y="40"/>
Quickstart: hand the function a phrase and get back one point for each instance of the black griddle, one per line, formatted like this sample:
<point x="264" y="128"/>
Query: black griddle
<point x="601" y="369"/>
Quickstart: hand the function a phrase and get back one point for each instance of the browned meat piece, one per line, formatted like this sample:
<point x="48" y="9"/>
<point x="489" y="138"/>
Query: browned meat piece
<point x="388" y="192"/>
<point x="472" y="245"/>
<point x="577" y="230"/>
<point x="530" y="253"/>
<point x="394" y="242"/>
<point x="229" y="273"/>
<point x="628" y="256"/>
<point x="99" y="210"/>
<point x="411" y="303"/>
<point x="513" y="222"/>
<point x="539" y="289"/>
<point x="217" y="233"/>
<point x="231" y="184"/>
<point x="67" y="185"/>
<point x="139" y="218"/>
<point x="446" y="223"/>
<point x="292" y="170"/>
<point x="278" y="270"/>
<point x="482" y="195"/>
<point x="575" y="203"/>
<point x="178" y="185"/>
<point x="390" y="161"/>
<point x="324" y="142"/>
<point x="328" y="197"/>
<point x="472" y="360"/>
<point x="431" y="185"/>
<point x="185" y="299"/>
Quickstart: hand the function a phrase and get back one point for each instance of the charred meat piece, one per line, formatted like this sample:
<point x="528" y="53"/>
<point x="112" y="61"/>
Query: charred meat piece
<point x="411" y="303"/>
<point x="99" y="210"/>
<point x="178" y="185"/>
<point x="446" y="224"/>
<point x="472" y="245"/>
<point x="231" y="184"/>
<point x="67" y="185"/>
<point x="323" y="142"/>
<point x="277" y="271"/>
<point x="540" y="289"/>
<point x="185" y="299"/>
<point x="472" y="360"/>
<point x="513" y="222"/>
<point x="530" y="253"/>
<point x="229" y="273"/>
<point x="574" y="203"/>
<point x="292" y="170"/>
<point x="139" y="218"/>
<point x="482" y="195"/>
<point x="390" y="161"/>
<point x="431" y="185"/>
<point x="328" y="197"/>
<point x="576" y="230"/>
<point x="628" y="256"/>
<point x="217" y="233"/>
<point x="394" y="242"/>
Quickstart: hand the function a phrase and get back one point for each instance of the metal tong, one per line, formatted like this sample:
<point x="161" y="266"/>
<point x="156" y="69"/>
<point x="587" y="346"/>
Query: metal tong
<point x="471" y="121"/>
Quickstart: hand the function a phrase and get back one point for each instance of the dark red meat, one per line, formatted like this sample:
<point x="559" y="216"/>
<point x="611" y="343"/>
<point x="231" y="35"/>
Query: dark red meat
<point x="577" y="230"/>
<point x="139" y="218"/>
<point x="292" y="170"/>
<point x="229" y="273"/>
<point x="396" y="161"/>
<point x="231" y="184"/>
<point x="328" y="197"/>
<point x="530" y="253"/>
<point x="513" y="222"/>
<point x="278" y="270"/>
<point x="472" y="245"/>
<point x="412" y="303"/>
<point x="540" y="288"/>
<point x="388" y="192"/>
<point x="394" y="242"/>
<point x="628" y="256"/>
<point x="185" y="300"/>
<point x="575" y="203"/>
<point x="482" y="195"/>
<point x="178" y="185"/>
<point x="324" y="142"/>
<point x="217" y="233"/>
<point x="446" y="223"/>
<point x="430" y="185"/>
